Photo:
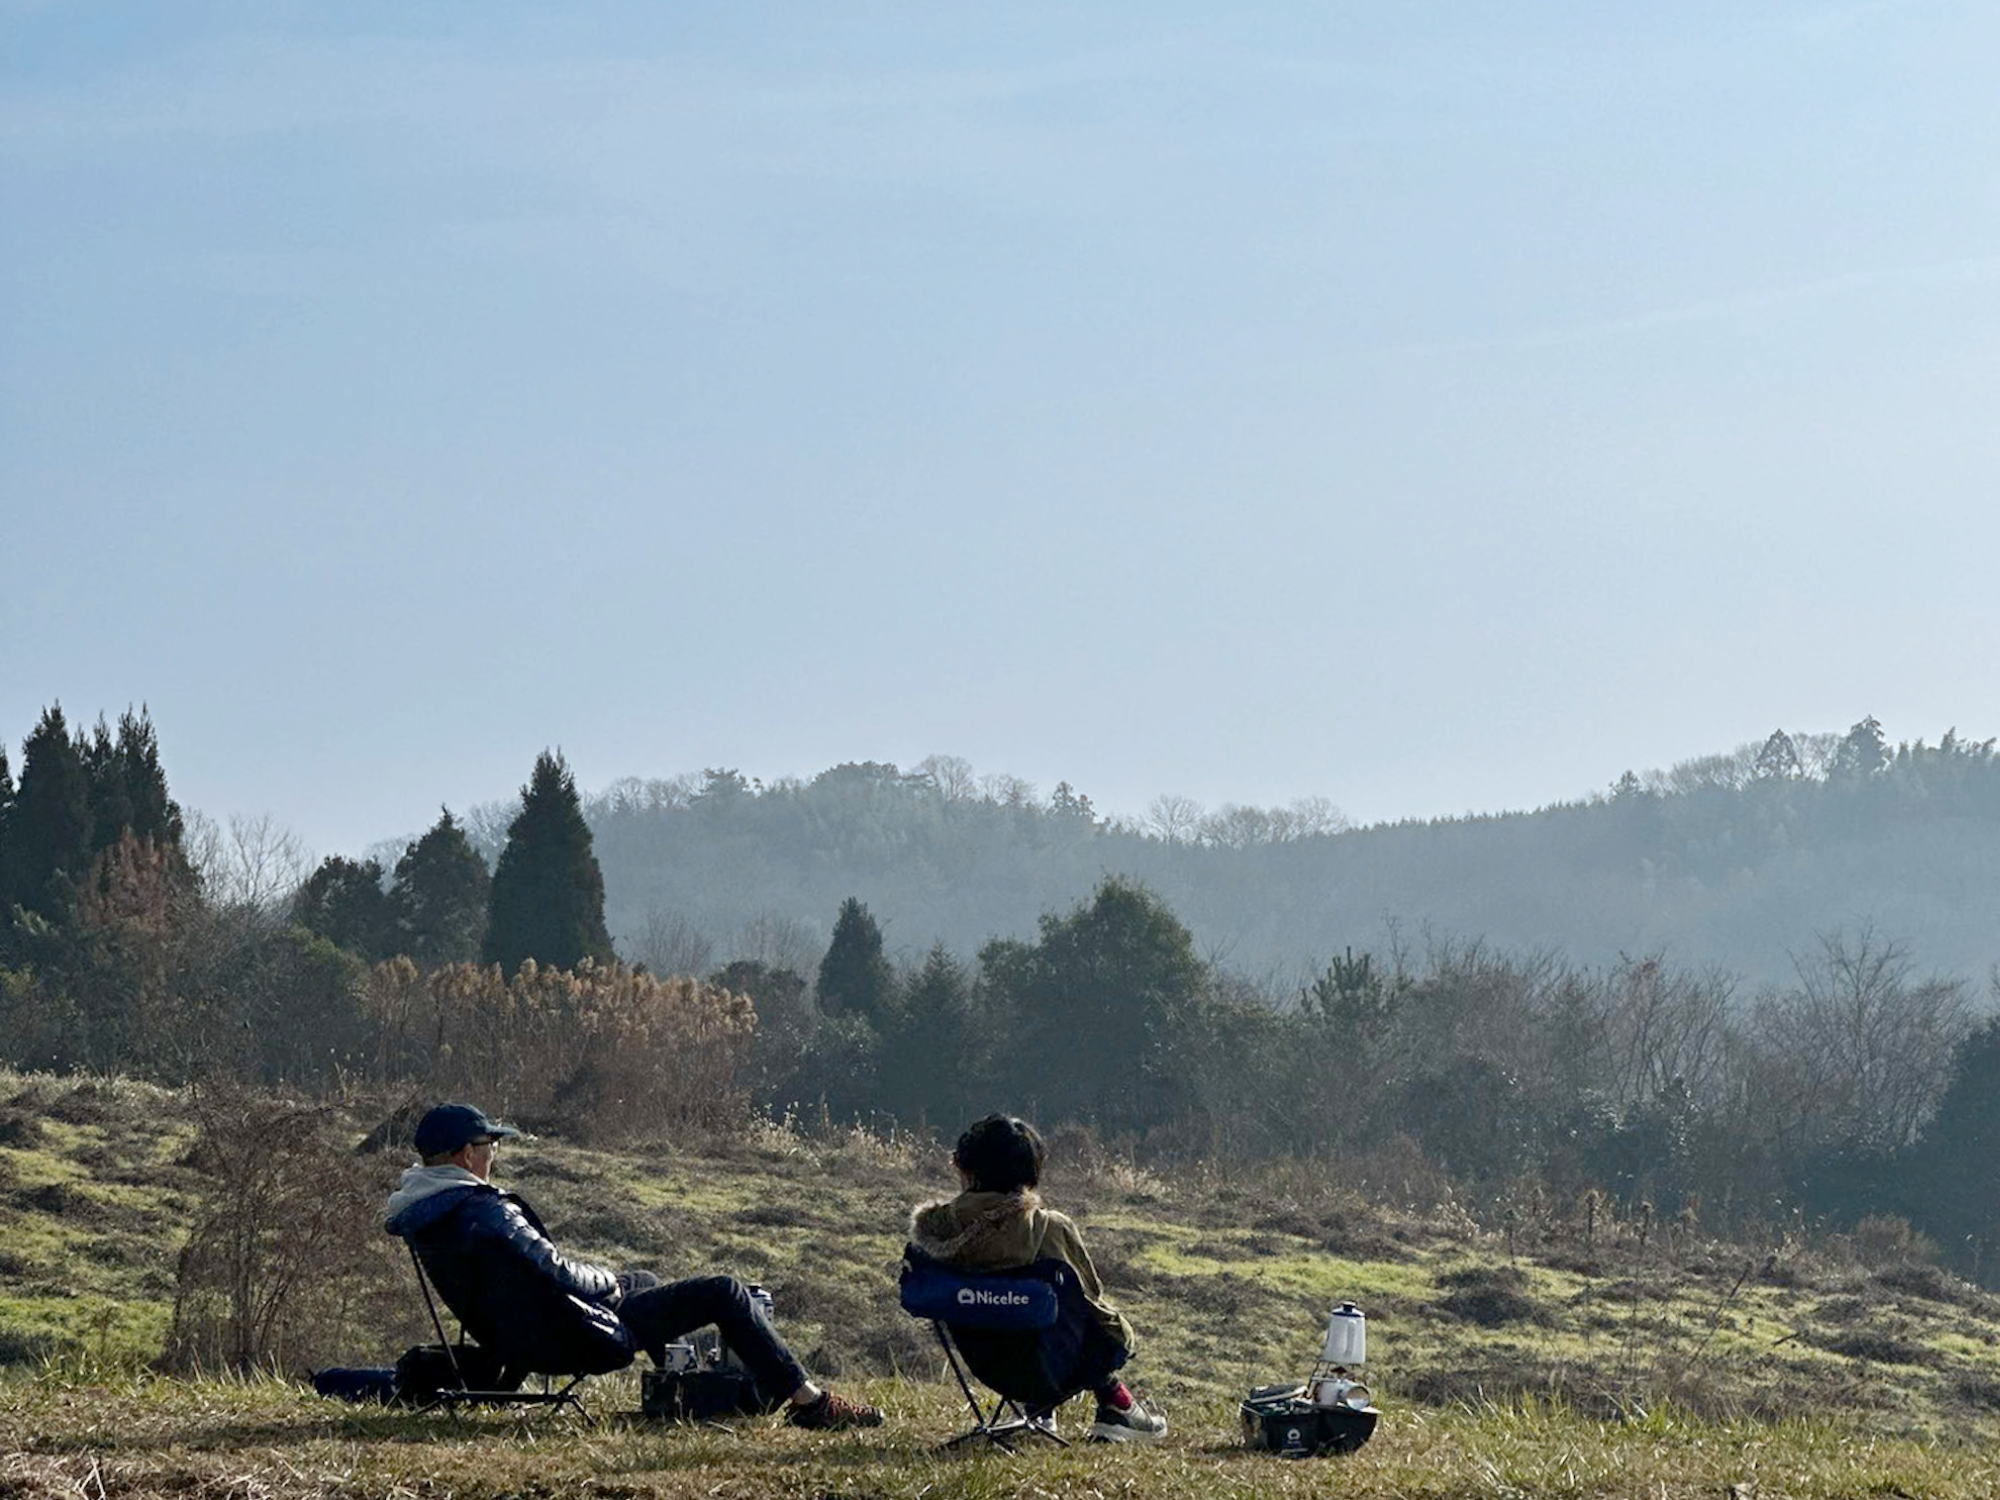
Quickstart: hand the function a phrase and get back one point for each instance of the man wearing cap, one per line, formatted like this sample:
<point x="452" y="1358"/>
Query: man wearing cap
<point x="497" y="1269"/>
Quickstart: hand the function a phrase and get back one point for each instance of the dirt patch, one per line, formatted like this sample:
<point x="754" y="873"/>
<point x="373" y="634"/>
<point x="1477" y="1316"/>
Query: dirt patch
<point x="1935" y="1284"/>
<point x="86" y="1104"/>
<point x="1626" y="1291"/>
<point x="19" y="1128"/>
<point x="529" y="1168"/>
<point x="1505" y="1381"/>
<point x="1576" y="1262"/>
<point x="775" y="1216"/>
<point x="1978" y="1390"/>
<point x="1880" y="1346"/>
<point x="614" y="1224"/>
<point x="1492" y="1297"/>
<point x="62" y="1200"/>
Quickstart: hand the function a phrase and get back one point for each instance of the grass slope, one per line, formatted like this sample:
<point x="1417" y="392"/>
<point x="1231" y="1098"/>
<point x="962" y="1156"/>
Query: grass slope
<point x="1523" y="1363"/>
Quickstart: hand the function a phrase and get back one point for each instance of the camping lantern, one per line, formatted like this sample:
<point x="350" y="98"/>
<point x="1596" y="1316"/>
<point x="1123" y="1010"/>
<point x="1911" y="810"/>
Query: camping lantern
<point x="1346" y="1337"/>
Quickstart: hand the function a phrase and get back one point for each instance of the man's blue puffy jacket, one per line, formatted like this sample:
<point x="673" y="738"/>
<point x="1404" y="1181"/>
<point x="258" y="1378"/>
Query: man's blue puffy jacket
<point x="497" y="1269"/>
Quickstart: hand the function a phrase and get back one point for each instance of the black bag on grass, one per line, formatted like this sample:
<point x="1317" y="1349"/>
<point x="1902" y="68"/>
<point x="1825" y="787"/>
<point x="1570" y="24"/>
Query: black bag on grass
<point x="426" y="1369"/>
<point x="700" y="1395"/>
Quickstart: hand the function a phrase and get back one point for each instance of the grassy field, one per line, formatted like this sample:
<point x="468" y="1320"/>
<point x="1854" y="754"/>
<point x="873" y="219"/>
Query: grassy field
<point x="1530" y="1361"/>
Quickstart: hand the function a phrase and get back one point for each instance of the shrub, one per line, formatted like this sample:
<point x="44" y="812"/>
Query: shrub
<point x="1882" y="1241"/>
<point x="601" y="1051"/>
<point x="286" y="1252"/>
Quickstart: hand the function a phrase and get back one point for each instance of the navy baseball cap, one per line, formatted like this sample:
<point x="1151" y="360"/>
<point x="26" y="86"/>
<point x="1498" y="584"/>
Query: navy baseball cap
<point x="448" y="1126"/>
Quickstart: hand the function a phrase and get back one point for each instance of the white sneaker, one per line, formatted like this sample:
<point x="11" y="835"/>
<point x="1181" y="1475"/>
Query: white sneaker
<point x="1133" y="1425"/>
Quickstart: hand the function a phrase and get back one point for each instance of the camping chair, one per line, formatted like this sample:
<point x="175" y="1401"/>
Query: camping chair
<point x="1027" y="1334"/>
<point x="459" y="1392"/>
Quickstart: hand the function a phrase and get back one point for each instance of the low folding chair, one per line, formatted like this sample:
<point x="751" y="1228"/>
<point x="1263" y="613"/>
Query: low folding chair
<point x="460" y="1394"/>
<point x="1027" y="1334"/>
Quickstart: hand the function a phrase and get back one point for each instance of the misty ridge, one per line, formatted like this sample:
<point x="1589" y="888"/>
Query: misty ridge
<point x="1734" y="862"/>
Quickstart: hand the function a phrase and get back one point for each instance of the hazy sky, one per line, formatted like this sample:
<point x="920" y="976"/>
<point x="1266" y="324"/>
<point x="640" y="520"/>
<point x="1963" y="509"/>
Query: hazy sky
<point x="1432" y="407"/>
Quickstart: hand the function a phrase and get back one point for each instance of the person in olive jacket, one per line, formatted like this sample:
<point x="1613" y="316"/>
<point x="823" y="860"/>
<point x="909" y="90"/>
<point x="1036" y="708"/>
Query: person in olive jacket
<point x="998" y="1221"/>
<point x="496" y="1267"/>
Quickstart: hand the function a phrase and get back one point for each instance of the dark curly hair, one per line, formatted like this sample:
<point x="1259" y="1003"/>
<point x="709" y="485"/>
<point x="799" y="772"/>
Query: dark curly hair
<point x="1001" y="1154"/>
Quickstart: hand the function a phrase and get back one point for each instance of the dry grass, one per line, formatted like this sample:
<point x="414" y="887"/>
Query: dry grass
<point x="267" y="1439"/>
<point x="1523" y="1362"/>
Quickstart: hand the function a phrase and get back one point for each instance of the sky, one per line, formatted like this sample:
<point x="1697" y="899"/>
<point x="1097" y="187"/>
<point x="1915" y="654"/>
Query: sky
<point x="1432" y="407"/>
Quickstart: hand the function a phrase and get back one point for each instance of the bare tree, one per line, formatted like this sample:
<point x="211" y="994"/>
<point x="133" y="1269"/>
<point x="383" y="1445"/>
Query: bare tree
<point x="630" y="795"/>
<point x="1235" y="827"/>
<point x="1858" y="1052"/>
<point x="1816" y="753"/>
<point x="1308" y="816"/>
<point x="951" y="775"/>
<point x="1172" y="818"/>
<point x="672" y="944"/>
<point x="1663" y="1024"/>
<point x="780" y="942"/>
<point x="252" y="862"/>
<point x="1009" y="791"/>
<point x="486" y="824"/>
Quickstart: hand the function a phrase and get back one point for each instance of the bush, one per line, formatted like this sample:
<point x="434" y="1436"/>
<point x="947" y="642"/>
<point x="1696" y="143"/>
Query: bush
<point x="286" y="1260"/>
<point x="602" y="1052"/>
<point x="1882" y="1241"/>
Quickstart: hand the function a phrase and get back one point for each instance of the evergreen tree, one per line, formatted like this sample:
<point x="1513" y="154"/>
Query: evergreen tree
<point x="547" y="898"/>
<point x="150" y="812"/>
<point x="438" y="904"/>
<point x="854" y="977"/>
<point x="110" y="805"/>
<point x="1099" y="999"/>
<point x="343" y="902"/>
<point x="6" y="838"/>
<point x="930" y="1066"/>
<point x="49" y="831"/>
<point x="1954" y="1173"/>
<point x="1862" y="751"/>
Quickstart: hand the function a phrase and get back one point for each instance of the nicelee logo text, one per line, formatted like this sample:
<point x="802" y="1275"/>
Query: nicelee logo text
<point x="973" y="1297"/>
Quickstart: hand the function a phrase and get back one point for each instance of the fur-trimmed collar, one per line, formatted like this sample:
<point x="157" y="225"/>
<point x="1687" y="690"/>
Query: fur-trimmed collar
<point x="948" y="1228"/>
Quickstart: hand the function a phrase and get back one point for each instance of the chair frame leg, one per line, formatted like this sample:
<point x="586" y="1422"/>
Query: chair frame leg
<point x="988" y="1426"/>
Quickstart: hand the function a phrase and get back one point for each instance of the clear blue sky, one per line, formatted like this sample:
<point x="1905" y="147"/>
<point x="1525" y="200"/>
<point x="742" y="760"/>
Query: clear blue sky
<point x="1432" y="407"/>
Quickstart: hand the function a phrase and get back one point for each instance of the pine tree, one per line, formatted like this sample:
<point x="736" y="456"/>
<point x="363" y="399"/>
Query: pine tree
<point x="49" y="830"/>
<point x="854" y="977"/>
<point x="343" y="902"/>
<point x="110" y="804"/>
<point x="438" y="904"/>
<point x="547" y="899"/>
<point x="6" y="851"/>
<point x="152" y="813"/>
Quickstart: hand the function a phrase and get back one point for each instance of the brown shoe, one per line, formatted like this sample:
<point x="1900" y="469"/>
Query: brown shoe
<point x="831" y="1413"/>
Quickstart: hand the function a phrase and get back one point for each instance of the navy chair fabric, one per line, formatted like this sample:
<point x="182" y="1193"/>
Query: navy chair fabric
<point x="1027" y="1334"/>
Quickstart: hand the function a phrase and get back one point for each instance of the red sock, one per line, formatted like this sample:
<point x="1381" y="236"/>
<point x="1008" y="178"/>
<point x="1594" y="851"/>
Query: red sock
<point x="1115" y="1396"/>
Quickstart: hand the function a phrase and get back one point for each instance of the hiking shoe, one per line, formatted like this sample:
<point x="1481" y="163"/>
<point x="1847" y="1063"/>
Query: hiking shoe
<point x="831" y="1413"/>
<point x="1133" y="1425"/>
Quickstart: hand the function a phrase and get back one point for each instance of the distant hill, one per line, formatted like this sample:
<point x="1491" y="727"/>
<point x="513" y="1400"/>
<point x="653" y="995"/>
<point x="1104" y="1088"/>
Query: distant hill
<point x="1735" y="860"/>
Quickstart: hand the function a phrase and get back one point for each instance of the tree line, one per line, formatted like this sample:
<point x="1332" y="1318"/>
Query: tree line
<point x="1858" y="1086"/>
<point x="1740" y="857"/>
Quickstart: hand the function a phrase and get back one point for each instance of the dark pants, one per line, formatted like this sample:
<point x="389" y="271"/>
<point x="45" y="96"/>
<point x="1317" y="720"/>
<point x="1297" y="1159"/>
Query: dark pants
<point x="662" y="1314"/>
